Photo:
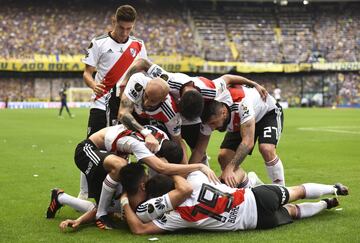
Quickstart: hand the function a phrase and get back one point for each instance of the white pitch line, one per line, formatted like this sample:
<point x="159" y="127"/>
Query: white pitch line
<point x="321" y="129"/>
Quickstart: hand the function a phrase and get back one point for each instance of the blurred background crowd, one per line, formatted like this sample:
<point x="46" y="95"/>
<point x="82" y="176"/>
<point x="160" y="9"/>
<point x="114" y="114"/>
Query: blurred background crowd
<point x="216" y="31"/>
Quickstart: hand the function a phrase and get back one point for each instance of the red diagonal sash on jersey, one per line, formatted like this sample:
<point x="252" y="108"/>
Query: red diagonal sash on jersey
<point x="191" y="214"/>
<point x="120" y="67"/>
<point x="207" y="82"/>
<point x="120" y="135"/>
<point x="237" y="94"/>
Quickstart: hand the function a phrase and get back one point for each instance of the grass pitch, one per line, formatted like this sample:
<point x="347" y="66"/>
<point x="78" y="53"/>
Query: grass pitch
<point x="37" y="148"/>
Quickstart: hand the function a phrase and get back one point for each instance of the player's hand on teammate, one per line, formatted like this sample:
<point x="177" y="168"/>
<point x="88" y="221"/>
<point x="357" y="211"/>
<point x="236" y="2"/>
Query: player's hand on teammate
<point x="209" y="173"/>
<point x="228" y="176"/>
<point x="152" y="143"/>
<point x="99" y="89"/>
<point x="262" y="91"/>
<point x="74" y="224"/>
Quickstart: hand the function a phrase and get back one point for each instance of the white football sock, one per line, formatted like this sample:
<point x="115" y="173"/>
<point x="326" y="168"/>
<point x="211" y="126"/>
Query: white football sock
<point x="275" y="170"/>
<point x="75" y="203"/>
<point x="107" y="192"/>
<point x="307" y="209"/>
<point x="314" y="190"/>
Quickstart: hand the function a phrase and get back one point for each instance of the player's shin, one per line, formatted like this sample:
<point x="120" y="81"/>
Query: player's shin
<point x="307" y="209"/>
<point x="107" y="192"/>
<point x="275" y="170"/>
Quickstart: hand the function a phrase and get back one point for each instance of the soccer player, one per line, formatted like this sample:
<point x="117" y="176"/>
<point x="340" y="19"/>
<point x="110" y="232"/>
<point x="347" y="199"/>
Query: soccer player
<point x="109" y="55"/>
<point x="63" y="99"/>
<point x="139" y="96"/>
<point x="218" y="207"/>
<point x="96" y="158"/>
<point x="246" y="118"/>
<point x="190" y="93"/>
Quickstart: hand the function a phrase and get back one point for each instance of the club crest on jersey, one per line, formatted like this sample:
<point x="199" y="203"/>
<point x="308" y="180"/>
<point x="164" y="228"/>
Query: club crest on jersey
<point x="133" y="52"/>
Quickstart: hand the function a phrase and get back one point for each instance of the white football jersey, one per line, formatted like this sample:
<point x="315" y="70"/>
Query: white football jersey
<point x="121" y="140"/>
<point x="167" y="111"/>
<point x="209" y="89"/>
<point x="215" y="207"/>
<point x="111" y="60"/>
<point x="246" y="103"/>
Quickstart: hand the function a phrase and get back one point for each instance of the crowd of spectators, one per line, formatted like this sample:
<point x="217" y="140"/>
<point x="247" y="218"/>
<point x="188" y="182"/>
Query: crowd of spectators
<point x="260" y="32"/>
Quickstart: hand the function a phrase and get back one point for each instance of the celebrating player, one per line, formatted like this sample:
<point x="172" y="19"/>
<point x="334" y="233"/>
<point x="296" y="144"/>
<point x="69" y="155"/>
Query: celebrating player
<point x="110" y="55"/>
<point x="218" y="207"/>
<point x="96" y="158"/>
<point x="246" y="118"/>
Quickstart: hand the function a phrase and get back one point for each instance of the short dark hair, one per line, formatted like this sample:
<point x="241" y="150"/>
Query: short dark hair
<point x="159" y="185"/>
<point x="171" y="151"/>
<point x="191" y="104"/>
<point x="126" y="13"/>
<point x="211" y="108"/>
<point x="130" y="177"/>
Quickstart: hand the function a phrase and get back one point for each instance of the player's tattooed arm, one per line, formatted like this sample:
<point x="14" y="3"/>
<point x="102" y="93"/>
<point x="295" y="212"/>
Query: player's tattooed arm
<point x="247" y="131"/>
<point x="140" y="65"/>
<point x="125" y="116"/>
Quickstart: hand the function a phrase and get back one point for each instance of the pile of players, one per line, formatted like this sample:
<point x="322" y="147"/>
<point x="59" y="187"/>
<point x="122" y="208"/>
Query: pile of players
<point x="142" y="110"/>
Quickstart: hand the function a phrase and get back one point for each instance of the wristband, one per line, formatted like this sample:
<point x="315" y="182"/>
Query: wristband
<point x="124" y="201"/>
<point x="145" y="132"/>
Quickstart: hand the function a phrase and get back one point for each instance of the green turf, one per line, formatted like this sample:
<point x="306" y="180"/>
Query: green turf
<point x="36" y="142"/>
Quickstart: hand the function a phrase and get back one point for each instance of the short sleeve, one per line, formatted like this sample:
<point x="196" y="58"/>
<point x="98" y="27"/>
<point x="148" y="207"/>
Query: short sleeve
<point x="135" y="87"/>
<point x="154" y="208"/>
<point x="92" y="54"/>
<point x="246" y="111"/>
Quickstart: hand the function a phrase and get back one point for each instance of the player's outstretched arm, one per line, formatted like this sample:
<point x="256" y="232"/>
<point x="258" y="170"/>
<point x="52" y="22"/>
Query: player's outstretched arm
<point x="236" y="79"/>
<point x="136" y="226"/>
<point x="87" y="217"/>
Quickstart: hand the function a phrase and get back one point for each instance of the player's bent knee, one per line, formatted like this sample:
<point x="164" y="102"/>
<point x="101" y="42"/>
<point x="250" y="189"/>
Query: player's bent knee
<point x="292" y="210"/>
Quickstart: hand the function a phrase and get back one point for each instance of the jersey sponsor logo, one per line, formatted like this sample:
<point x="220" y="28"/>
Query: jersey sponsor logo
<point x="162" y="219"/>
<point x="138" y="87"/>
<point x="159" y="204"/>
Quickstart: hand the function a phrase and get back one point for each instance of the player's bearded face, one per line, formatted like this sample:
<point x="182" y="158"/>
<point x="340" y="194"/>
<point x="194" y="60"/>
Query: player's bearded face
<point x="219" y="121"/>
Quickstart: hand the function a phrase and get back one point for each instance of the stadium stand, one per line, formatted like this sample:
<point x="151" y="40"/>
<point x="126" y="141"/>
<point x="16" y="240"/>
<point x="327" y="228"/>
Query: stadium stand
<point x="215" y="31"/>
